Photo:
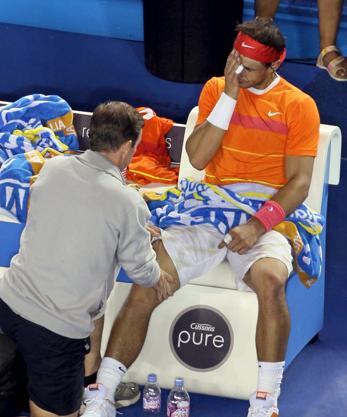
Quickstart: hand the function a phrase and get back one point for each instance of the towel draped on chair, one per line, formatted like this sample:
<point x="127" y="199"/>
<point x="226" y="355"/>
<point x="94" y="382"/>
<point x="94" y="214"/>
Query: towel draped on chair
<point x="197" y="203"/>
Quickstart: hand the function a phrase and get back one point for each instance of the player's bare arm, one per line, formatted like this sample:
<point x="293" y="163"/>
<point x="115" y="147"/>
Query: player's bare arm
<point x="207" y="137"/>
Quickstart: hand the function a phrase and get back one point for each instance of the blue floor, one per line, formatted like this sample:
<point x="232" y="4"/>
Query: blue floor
<point x="315" y="384"/>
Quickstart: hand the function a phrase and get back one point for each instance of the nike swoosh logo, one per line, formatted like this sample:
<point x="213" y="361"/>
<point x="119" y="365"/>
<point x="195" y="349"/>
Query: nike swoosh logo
<point x="273" y="113"/>
<point x="247" y="46"/>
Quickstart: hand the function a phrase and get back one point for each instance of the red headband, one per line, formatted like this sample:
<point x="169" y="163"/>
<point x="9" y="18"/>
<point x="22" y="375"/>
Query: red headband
<point x="250" y="48"/>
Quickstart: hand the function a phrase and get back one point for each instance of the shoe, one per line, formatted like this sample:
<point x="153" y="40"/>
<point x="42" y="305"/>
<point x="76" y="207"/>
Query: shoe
<point x="262" y="404"/>
<point x="96" y="403"/>
<point x="334" y="67"/>
<point x="127" y="393"/>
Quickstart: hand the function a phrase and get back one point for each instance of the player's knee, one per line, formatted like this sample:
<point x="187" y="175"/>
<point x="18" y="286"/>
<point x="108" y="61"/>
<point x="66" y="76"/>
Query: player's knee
<point x="270" y="282"/>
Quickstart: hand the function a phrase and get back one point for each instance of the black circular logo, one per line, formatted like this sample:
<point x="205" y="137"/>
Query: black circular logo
<point x="201" y="338"/>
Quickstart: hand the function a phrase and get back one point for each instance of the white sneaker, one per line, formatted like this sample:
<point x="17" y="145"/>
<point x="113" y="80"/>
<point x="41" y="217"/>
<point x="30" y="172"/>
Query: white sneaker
<point x="96" y="403"/>
<point x="262" y="404"/>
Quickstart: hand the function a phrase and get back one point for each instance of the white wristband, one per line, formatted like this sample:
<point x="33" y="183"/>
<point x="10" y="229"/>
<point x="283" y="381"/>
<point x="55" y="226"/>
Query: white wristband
<point x="222" y="112"/>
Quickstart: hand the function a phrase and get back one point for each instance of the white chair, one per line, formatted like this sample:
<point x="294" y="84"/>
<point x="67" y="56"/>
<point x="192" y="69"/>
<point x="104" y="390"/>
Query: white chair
<point x="206" y="331"/>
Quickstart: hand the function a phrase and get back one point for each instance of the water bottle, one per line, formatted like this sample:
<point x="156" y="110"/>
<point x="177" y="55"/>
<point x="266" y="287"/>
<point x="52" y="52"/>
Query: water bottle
<point x="178" y="402"/>
<point x="151" y="397"/>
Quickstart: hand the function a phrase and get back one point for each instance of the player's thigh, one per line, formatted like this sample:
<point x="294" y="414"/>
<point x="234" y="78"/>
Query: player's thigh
<point x="193" y="250"/>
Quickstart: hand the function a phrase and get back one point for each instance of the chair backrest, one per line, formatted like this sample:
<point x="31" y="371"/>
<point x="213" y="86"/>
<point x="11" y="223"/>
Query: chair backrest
<point x="326" y="168"/>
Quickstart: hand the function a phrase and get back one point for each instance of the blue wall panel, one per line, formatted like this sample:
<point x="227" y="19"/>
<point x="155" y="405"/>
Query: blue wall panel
<point x="121" y="19"/>
<point x="86" y="70"/>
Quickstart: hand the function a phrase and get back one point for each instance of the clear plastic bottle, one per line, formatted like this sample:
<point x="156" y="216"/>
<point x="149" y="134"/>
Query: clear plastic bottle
<point x="178" y="402"/>
<point x="151" y="396"/>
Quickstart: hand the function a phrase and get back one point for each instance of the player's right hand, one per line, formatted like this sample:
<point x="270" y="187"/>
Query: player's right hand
<point x="232" y="87"/>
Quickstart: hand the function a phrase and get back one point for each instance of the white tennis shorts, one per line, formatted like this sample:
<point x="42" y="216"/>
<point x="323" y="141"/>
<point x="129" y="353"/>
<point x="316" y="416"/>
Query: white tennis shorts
<point x="194" y="251"/>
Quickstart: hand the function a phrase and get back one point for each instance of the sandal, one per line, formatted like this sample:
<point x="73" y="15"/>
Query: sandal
<point x="334" y="66"/>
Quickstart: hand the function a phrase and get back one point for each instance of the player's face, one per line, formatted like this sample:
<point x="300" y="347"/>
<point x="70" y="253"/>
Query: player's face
<point x="254" y="74"/>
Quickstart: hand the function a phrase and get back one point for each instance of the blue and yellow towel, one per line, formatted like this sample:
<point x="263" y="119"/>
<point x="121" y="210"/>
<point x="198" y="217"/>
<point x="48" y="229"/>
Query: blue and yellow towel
<point x="197" y="203"/>
<point x="37" y="122"/>
<point x="17" y="174"/>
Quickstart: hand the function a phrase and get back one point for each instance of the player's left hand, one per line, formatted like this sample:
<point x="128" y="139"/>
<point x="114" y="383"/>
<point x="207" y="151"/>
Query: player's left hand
<point x="243" y="237"/>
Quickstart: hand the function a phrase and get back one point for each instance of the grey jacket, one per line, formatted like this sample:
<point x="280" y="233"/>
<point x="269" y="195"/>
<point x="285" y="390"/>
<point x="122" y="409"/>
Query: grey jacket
<point x="83" y="225"/>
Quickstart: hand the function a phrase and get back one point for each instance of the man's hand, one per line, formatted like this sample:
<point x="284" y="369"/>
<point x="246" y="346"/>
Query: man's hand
<point x="164" y="287"/>
<point x="231" y="78"/>
<point x="243" y="237"/>
<point x="153" y="230"/>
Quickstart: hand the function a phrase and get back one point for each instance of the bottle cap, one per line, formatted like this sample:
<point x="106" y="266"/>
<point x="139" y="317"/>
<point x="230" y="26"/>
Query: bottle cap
<point x="152" y="378"/>
<point x="179" y="382"/>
